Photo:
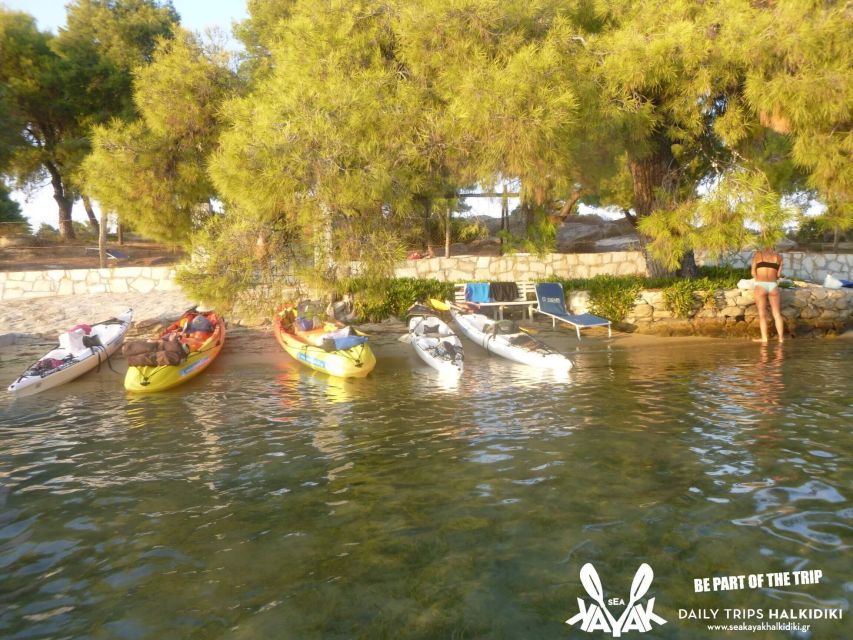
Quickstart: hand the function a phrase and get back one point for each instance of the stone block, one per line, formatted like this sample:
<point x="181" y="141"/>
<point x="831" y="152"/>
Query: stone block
<point x="118" y="285"/>
<point x="643" y="311"/>
<point x="482" y="273"/>
<point x="732" y="312"/>
<point x="43" y="286"/>
<point x="55" y="274"/>
<point x="65" y="288"/>
<point x="455" y="275"/>
<point x="467" y="265"/>
<point x="77" y="275"/>
<point x="141" y="285"/>
<point x="819" y="293"/>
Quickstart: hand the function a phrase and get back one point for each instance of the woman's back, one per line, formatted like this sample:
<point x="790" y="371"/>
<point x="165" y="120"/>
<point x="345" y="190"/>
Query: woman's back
<point x="767" y="266"/>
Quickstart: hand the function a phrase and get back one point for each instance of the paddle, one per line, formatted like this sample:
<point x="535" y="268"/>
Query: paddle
<point x="592" y="583"/>
<point x="532" y="332"/>
<point x="439" y="305"/>
<point x="639" y="587"/>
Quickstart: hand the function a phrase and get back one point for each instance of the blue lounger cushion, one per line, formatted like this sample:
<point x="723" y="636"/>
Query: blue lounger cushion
<point x="552" y="302"/>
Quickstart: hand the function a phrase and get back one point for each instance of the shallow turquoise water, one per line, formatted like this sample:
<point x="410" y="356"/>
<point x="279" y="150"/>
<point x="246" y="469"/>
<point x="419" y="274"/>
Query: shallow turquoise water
<point x="266" y="501"/>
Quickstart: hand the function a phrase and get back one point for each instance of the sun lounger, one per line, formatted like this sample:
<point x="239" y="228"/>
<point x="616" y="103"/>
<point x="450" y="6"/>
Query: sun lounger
<point x="552" y="303"/>
<point x="112" y="254"/>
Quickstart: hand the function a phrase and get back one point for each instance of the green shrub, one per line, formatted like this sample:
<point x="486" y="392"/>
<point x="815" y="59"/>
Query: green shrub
<point x="611" y="297"/>
<point x="724" y="277"/>
<point x="541" y="239"/>
<point x="376" y="299"/>
<point x="47" y="232"/>
<point x="681" y="297"/>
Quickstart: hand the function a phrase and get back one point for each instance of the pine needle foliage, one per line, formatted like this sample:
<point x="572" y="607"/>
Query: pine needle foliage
<point x="153" y="171"/>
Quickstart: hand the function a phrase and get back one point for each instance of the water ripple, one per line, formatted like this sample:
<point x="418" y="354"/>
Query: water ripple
<point x="269" y="497"/>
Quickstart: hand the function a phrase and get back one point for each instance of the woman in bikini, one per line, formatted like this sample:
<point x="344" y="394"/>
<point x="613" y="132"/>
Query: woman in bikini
<point x="766" y="269"/>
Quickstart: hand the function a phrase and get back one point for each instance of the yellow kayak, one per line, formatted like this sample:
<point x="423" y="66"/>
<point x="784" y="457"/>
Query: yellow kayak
<point x="200" y="348"/>
<point x="330" y="347"/>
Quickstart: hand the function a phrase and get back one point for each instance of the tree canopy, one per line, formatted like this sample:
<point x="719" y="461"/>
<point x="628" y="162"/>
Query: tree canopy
<point x="346" y="123"/>
<point x="152" y="170"/>
<point x="58" y="87"/>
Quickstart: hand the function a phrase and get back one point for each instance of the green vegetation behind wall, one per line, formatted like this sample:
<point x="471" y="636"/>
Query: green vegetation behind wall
<point x="382" y="298"/>
<point x="613" y="296"/>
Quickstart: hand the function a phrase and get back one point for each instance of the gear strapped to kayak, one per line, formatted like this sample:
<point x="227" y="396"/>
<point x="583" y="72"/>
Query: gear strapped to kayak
<point x="325" y="345"/>
<point x="505" y="338"/>
<point x="181" y="351"/>
<point x="434" y="341"/>
<point x="79" y="350"/>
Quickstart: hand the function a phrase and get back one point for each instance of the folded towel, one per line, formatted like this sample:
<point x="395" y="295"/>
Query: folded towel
<point x="477" y="292"/>
<point x="503" y="291"/>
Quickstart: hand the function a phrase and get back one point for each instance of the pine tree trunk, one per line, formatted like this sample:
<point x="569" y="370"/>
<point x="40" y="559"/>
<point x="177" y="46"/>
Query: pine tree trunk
<point x="102" y="240"/>
<point x="689" y="268"/>
<point x="650" y="175"/>
<point x="566" y="209"/>
<point x="427" y="231"/>
<point x="447" y="233"/>
<point x="504" y="217"/>
<point x="93" y="220"/>
<point x="66" y="229"/>
<point x="527" y="212"/>
<point x="119" y="233"/>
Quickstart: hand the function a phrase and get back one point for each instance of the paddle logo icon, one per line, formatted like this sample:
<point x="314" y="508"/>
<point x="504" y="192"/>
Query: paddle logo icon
<point x="634" y="617"/>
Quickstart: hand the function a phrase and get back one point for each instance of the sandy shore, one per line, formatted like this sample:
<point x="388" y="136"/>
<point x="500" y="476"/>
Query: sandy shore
<point x="47" y="317"/>
<point x="42" y="319"/>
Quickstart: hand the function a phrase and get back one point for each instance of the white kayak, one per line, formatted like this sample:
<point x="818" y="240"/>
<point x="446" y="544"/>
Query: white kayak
<point x="434" y="341"/>
<point x="79" y="350"/>
<point x="503" y="338"/>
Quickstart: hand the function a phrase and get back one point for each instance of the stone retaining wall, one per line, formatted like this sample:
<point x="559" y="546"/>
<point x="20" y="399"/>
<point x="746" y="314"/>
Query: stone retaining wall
<point x="18" y="285"/>
<point x="812" y="310"/>
<point x="799" y="265"/>
<point x="525" y="267"/>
